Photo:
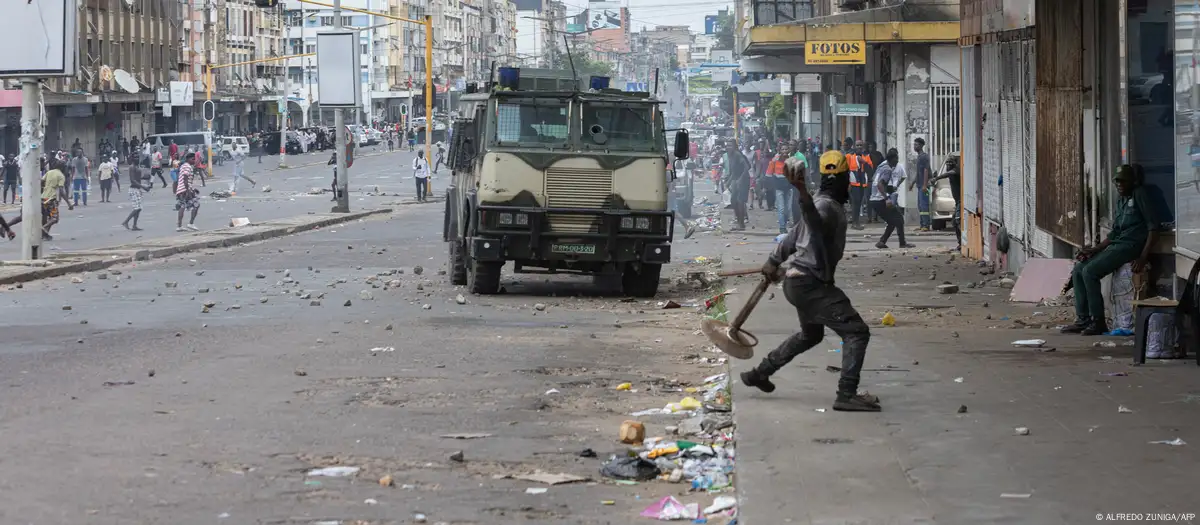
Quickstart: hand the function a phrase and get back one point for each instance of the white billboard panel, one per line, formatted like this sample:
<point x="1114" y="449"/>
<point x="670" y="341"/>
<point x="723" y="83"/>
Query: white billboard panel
<point x="38" y="38"/>
<point x="182" y="93"/>
<point x="339" y="76"/>
<point x="604" y="15"/>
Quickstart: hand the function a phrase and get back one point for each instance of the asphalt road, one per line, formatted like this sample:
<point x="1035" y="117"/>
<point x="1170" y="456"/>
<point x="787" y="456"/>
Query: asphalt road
<point x="126" y="402"/>
<point x="378" y="178"/>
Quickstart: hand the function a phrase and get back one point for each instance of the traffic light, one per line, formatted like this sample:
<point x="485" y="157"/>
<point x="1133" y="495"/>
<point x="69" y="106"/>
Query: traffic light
<point x="266" y="3"/>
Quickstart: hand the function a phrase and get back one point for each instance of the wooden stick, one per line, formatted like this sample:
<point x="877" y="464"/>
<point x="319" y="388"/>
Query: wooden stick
<point x="736" y="273"/>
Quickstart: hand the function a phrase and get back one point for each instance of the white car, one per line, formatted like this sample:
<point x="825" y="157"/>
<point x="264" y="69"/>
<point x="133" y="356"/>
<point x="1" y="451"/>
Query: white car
<point x="231" y="145"/>
<point x="374" y="136"/>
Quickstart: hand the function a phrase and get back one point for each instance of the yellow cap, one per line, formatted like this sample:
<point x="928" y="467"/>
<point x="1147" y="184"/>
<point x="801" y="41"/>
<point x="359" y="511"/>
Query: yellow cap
<point x="833" y="162"/>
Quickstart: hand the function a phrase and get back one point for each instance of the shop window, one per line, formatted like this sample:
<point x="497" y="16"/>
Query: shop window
<point x="1186" y="90"/>
<point x="781" y="11"/>
<point x="1150" y="93"/>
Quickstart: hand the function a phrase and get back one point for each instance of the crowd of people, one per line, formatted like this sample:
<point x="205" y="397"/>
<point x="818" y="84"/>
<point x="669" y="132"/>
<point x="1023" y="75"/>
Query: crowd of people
<point x="66" y="177"/>
<point x="752" y="171"/>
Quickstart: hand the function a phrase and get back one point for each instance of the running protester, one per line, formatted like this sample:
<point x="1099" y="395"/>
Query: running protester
<point x="187" y="197"/>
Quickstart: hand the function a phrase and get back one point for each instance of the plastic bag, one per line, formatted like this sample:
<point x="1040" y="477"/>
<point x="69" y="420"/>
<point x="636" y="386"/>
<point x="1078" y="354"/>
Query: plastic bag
<point x="1161" y="336"/>
<point x="634" y="468"/>
<point x="1122" y="297"/>
<point x="669" y="509"/>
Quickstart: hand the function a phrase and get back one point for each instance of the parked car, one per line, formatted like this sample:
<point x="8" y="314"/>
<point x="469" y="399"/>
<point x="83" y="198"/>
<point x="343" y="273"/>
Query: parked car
<point x="941" y="209"/>
<point x="374" y="137"/>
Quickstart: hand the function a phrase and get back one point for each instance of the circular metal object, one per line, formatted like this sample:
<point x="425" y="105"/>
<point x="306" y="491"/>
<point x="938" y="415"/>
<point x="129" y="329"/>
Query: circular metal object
<point x="738" y="345"/>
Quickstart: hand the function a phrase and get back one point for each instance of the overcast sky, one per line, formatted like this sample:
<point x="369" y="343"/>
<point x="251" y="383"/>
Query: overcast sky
<point x="649" y="13"/>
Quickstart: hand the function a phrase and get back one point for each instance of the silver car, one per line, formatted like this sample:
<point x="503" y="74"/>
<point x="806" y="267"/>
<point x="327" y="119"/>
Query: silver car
<point x="942" y="204"/>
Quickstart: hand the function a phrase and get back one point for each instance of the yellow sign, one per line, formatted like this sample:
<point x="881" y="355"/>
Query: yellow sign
<point x="835" y="52"/>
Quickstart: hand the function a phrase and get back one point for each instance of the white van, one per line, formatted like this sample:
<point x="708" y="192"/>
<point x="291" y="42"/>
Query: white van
<point x="198" y="141"/>
<point x="231" y="145"/>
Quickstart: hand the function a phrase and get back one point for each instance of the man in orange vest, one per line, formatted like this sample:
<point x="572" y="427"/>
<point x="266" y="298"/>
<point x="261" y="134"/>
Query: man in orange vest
<point x="861" y="169"/>
<point x="780" y="186"/>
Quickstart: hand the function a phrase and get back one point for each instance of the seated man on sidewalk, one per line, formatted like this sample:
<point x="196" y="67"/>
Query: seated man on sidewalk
<point x="809" y="254"/>
<point x="1134" y="232"/>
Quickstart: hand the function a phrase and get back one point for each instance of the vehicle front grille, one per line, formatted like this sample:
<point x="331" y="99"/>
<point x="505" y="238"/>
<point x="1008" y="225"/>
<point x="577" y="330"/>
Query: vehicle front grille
<point x="576" y="188"/>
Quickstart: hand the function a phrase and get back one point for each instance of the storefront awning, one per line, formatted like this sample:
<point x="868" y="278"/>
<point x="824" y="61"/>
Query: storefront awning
<point x="907" y="22"/>
<point x="778" y="40"/>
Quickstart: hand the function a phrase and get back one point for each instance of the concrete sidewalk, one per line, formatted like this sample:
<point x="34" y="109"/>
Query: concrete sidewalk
<point x="926" y="460"/>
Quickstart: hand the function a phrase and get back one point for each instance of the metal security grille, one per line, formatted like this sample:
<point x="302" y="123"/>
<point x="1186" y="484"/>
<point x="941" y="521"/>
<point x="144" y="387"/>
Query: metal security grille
<point x="576" y="188"/>
<point x="992" y="133"/>
<point x="1012" y="96"/>
<point x="944" y="101"/>
<point x="971" y="128"/>
<point x="1040" y="241"/>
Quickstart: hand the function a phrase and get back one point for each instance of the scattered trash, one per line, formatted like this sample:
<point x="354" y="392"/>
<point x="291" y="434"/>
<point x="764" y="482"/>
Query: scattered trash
<point x="962" y="409"/>
<point x="552" y="391"/>
<point x="1029" y="343"/>
<point x="118" y="383"/>
<point x="632" y="432"/>
<point x="536" y="490"/>
<point x="629" y="468"/>
<point x="889" y="319"/>
<point x="947" y="289"/>
<point x="238" y="222"/>
<point x="460" y="299"/>
<point x="671" y="305"/>
<point x="958" y="380"/>
<point x="334" y="472"/>
<point x="466" y="435"/>
<point x="670" y="509"/>
<point x="1105" y="344"/>
<point x="457" y="457"/>
<point x="539" y="307"/>
<point x="587" y="453"/>
<point x="720" y="503"/>
<point x="834" y="369"/>
<point x="550" y="479"/>
<point x="1114" y="374"/>
<point x="685" y="404"/>
<point x="380" y="349"/>
<point x="1174" y="442"/>
<point x="1121" y="409"/>
<point x="419" y="518"/>
<point x="624" y="386"/>
<point x="1119" y="332"/>
<point x="1015" y="495"/>
<point x="386" y="481"/>
<point x="1021" y="431"/>
<point x="371" y="501"/>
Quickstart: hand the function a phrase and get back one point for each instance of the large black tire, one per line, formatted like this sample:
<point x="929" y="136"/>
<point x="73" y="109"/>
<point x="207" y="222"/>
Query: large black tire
<point x="641" y="282"/>
<point x="484" y="277"/>
<point x="457" y="263"/>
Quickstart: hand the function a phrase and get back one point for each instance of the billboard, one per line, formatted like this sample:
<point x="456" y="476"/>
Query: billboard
<point x="835" y="52"/>
<point x="604" y="15"/>
<point x="39" y="38"/>
<point x="702" y="85"/>
<point x="711" y="24"/>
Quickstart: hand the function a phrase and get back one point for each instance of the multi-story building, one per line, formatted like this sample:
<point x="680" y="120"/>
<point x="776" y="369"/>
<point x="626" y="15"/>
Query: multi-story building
<point x="500" y="33"/>
<point x="540" y="25"/>
<point x="246" y="94"/>
<point x="377" y="51"/>
<point x="115" y="38"/>
<point x="474" y="56"/>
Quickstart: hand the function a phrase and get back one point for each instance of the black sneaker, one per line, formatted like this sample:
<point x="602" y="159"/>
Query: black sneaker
<point x="1096" y="328"/>
<point x="1075" y="328"/>
<point x="754" y="379"/>
<point x="881" y="246"/>
<point x="907" y="245"/>
<point x="857" y="403"/>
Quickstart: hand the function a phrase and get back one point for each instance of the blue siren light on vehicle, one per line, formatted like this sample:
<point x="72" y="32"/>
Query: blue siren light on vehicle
<point x="510" y="77"/>
<point x="599" y="83"/>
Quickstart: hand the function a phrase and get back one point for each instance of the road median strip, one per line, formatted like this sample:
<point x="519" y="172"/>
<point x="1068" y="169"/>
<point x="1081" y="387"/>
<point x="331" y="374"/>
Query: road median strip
<point x="63" y="263"/>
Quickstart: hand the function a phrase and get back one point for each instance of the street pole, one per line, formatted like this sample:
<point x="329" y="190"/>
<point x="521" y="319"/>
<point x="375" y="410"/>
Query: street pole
<point x="429" y="94"/>
<point x="283" y="101"/>
<point x="339" y="133"/>
<point x="33" y="131"/>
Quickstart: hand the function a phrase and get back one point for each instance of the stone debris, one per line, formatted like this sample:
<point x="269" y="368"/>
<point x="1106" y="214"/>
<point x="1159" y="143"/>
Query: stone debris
<point x="460" y="299"/>
<point x="947" y="289"/>
<point x="171" y="284"/>
<point x="539" y="307"/>
<point x="77" y="280"/>
<point x="365" y="295"/>
<point x="314" y="302"/>
<point x="427" y="306"/>
<point x="417" y="270"/>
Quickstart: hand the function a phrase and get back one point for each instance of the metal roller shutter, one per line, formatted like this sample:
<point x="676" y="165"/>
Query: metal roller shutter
<point x="971" y="129"/>
<point x="992" y="132"/>
<point x="1013" y="112"/>
<point x="1040" y="241"/>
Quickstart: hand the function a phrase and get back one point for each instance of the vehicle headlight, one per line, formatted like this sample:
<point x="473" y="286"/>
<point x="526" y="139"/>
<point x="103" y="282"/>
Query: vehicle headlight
<point x="513" y="219"/>
<point x="635" y="223"/>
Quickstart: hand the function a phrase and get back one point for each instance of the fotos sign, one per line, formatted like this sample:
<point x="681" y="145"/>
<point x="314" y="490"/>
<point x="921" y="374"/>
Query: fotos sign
<point x="835" y="52"/>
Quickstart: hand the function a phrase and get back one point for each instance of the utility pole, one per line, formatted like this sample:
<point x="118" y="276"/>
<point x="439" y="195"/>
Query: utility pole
<point x="281" y="78"/>
<point x="339" y="126"/>
<point x="33" y="132"/>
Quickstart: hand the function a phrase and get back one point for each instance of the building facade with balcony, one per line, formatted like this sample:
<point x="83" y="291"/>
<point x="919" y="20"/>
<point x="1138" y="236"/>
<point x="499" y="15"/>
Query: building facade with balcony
<point x="141" y="39"/>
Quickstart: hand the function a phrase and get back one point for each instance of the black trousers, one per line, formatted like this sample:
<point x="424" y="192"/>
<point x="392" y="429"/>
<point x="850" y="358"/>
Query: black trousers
<point x="893" y="216"/>
<point x="421" y="194"/>
<point x="820" y="305"/>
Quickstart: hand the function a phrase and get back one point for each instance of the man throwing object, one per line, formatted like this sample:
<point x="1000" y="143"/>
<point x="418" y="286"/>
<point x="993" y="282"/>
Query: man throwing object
<point x="808" y="257"/>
